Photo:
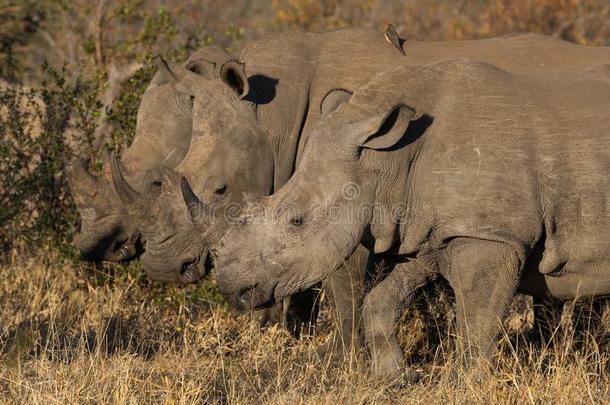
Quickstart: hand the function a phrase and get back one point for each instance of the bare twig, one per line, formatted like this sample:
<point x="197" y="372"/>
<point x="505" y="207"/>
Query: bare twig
<point x="116" y="77"/>
<point x="48" y="38"/>
<point x="99" y="35"/>
<point x="579" y="21"/>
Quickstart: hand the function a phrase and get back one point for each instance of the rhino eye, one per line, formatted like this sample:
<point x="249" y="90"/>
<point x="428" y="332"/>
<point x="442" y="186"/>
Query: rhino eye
<point x="221" y="190"/>
<point x="297" y="221"/>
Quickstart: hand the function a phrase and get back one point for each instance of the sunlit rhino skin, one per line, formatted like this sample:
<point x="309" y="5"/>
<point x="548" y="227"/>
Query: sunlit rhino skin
<point x="288" y="76"/>
<point x="246" y="134"/>
<point x="497" y="182"/>
<point x="163" y="135"/>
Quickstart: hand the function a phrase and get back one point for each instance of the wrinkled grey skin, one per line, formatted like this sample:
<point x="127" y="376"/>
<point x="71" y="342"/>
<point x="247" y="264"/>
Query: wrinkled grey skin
<point x="289" y="75"/>
<point x="241" y="142"/>
<point x="163" y="135"/>
<point x="496" y="181"/>
<point x="246" y="140"/>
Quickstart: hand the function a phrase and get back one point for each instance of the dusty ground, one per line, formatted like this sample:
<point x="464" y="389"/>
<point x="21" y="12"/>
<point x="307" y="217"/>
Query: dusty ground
<point x="74" y="334"/>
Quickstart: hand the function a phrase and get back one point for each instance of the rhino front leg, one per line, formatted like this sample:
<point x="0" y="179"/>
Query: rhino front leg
<point x="484" y="276"/>
<point x="345" y="289"/>
<point x="382" y="309"/>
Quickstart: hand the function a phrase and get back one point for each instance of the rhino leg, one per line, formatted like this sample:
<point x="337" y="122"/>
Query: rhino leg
<point x="484" y="276"/>
<point x="381" y="312"/>
<point x="344" y="289"/>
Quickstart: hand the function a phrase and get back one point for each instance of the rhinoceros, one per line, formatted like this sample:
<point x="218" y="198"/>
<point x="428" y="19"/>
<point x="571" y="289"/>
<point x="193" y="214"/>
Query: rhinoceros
<point x="250" y="140"/>
<point x="497" y="181"/>
<point x="163" y="134"/>
<point x="287" y="75"/>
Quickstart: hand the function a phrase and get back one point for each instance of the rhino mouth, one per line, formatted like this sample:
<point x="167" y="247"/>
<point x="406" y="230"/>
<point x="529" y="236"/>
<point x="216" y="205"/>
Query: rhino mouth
<point x="255" y="298"/>
<point x="197" y="268"/>
<point x="128" y="249"/>
<point x="113" y="247"/>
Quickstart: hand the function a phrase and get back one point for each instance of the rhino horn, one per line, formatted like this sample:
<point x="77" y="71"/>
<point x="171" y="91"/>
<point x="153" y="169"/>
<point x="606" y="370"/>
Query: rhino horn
<point x="85" y="188"/>
<point x="135" y="202"/>
<point x="164" y="73"/>
<point x="81" y="181"/>
<point x="197" y="209"/>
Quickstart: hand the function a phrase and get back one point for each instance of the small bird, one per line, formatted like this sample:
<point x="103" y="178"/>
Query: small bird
<point x="392" y="36"/>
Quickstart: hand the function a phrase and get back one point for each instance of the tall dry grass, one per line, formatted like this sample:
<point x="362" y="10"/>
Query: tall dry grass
<point x="76" y="334"/>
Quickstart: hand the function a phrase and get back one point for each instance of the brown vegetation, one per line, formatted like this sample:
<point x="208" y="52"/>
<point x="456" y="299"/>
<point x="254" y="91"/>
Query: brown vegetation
<point x="73" y="334"/>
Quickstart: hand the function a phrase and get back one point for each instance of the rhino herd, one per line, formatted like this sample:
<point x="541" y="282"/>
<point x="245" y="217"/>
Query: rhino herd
<point x="309" y="158"/>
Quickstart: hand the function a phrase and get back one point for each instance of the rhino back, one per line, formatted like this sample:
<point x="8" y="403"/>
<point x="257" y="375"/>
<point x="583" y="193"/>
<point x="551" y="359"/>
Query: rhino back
<point x="294" y="71"/>
<point x="530" y="157"/>
<point x="514" y="158"/>
<point x="518" y="53"/>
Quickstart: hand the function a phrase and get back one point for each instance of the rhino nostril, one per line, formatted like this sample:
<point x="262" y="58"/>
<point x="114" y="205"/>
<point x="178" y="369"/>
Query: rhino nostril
<point x="246" y="295"/>
<point x="123" y="250"/>
<point x="188" y="266"/>
<point x="221" y="189"/>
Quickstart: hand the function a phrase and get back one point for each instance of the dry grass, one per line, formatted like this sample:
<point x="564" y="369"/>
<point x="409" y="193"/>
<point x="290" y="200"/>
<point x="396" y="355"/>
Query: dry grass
<point x="72" y="334"/>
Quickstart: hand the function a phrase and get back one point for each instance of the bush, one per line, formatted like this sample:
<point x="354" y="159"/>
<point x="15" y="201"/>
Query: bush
<point x="41" y="129"/>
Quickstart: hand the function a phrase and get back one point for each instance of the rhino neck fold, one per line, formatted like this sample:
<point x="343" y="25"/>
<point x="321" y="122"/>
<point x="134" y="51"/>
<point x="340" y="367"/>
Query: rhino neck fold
<point x="396" y="211"/>
<point x="281" y="93"/>
<point x="290" y="74"/>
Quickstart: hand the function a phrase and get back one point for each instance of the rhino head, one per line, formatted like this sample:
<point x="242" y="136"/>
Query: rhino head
<point x="291" y="240"/>
<point x="228" y="156"/>
<point x="163" y="133"/>
<point x="104" y="232"/>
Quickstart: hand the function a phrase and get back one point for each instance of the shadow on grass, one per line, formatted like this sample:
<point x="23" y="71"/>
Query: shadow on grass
<point x="60" y="342"/>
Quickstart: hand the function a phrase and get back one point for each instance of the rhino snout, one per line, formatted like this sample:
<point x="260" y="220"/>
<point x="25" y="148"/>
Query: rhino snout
<point x="195" y="269"/>
<point x="185" y="271"/>
<point x="248" y="284"/>
<point x="116" y="246"/>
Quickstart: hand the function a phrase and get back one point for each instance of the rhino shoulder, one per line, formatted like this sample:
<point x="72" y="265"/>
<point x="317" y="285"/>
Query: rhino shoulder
<point x="420" y="85"/>
<point x="467" y="67"/>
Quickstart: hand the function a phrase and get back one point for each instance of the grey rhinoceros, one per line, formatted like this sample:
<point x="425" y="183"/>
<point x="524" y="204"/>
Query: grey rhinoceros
<point x="163" y="134"/>
<point x="251" y="140"/>
<point x="498" y="182"/>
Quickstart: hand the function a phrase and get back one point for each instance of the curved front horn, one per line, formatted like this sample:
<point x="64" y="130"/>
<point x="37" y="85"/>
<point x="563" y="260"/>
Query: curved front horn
<point x="197" y="209"/>
<point x="87" y="191"/>
<point x="126" y="193"/>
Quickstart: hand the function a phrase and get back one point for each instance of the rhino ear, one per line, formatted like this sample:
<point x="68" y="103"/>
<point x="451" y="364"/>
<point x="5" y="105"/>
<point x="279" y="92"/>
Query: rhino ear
<point x="233" y="74"/>
<point x="333" y="99"/>
<point x="205" y="63"/>
<point x="208" y="61"/>
<point x="185" y="80"/>
<point x="383" y="130"/>
<point x="163" y="74"/>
